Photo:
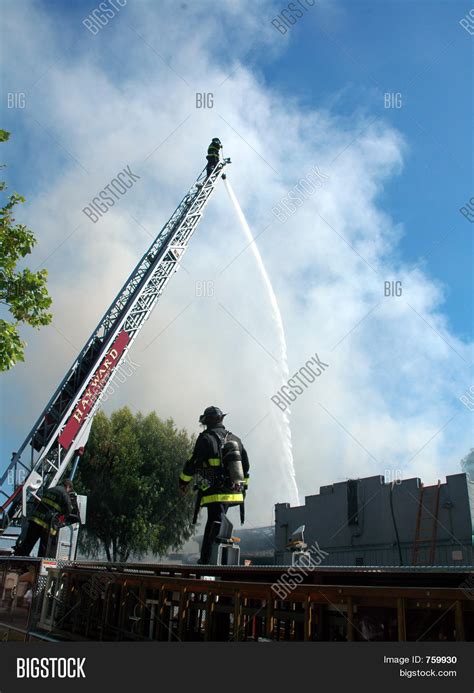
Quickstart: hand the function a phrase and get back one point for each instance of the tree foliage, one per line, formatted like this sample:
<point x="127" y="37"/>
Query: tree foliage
<point x="130" y="473"/>
<point x="23" y="292"/>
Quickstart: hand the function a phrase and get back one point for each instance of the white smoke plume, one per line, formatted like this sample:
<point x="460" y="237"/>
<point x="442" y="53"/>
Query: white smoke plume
<point x="127" y="96"/>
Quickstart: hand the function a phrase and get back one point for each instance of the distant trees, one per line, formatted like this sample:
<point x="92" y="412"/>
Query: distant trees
<point x="22" y="291"/>
<point x="130" y="473"/>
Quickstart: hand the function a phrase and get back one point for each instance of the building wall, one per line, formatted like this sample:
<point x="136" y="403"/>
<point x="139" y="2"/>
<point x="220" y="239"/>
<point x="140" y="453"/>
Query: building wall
<point x="353" y="522"/>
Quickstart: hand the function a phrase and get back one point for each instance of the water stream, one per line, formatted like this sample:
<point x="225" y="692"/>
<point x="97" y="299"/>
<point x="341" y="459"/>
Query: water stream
<point x="283" y="418"/>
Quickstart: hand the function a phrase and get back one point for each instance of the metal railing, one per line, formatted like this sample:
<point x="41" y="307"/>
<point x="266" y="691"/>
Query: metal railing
<point x="98" y="605"/>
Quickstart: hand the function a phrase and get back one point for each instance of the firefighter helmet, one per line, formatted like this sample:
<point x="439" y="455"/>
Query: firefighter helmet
<point x="211" y="413"/>
<point x="216" y="140"/>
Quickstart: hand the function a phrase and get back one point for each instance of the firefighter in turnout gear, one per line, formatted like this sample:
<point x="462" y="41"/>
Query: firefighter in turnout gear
<point x="220" y="465"/>
<point x="213" y="152"/>
<point x="54" y="508"/>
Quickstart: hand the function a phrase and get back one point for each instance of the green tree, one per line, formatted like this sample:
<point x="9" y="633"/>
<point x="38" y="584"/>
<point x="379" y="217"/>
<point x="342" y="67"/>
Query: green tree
<point x="22" y="291"/>
<point x="129" y="473"/>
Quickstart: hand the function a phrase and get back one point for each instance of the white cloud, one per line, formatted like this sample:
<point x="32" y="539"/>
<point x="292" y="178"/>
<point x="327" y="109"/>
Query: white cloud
<point x="394" y="379"/>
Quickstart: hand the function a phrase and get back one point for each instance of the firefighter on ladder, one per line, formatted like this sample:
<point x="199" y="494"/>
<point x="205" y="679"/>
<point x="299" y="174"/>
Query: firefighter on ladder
<point x="213" y="152"/>
<point x="54" y="508"/>
<point x="215" y="487"/>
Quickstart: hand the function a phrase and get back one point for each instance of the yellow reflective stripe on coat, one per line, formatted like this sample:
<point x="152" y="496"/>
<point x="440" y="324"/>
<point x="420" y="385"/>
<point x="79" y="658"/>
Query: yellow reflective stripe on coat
<point x="185" y="477"/>
<point x="52" y="503"/>
<point x="214" y="462"/>
<point x="43" y="524"/>
<point x="246" y="481"/>
<point x="223" y="498"/>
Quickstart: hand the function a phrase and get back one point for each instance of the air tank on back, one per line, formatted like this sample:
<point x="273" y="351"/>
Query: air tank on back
<point x="232" y="461"/>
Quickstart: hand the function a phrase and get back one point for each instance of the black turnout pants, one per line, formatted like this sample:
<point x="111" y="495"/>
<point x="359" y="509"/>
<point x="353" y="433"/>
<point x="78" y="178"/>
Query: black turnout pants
<point x="212" y="162"/>
<point x="214" y="512"/>
<point x="33" y="533"/>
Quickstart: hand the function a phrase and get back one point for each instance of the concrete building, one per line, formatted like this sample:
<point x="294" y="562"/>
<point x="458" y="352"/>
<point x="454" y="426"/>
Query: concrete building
<point x="370" y="522"/>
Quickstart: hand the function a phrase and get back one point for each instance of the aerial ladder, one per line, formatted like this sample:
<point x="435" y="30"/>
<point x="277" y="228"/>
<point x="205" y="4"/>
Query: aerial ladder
<point x="55" y="443"/>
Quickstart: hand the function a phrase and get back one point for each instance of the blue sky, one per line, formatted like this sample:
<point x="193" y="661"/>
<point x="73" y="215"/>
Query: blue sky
<point x="416" y="49"/>
<point x="305" y="97"/>
<point x="347" y="61"/>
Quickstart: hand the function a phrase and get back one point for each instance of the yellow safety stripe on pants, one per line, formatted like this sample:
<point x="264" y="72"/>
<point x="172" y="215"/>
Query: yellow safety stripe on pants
<point x="185" y="477"/>
<point x="222" y="498"/>
<point x="214" y="462"/>
<point x="43" y="524"/>
<point x="52" y="504"/>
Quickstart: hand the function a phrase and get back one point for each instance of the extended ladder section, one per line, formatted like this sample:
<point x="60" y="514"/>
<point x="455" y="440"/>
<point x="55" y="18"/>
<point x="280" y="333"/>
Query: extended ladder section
<point x="426" y="525"/>
<point x="64" y="425"/>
